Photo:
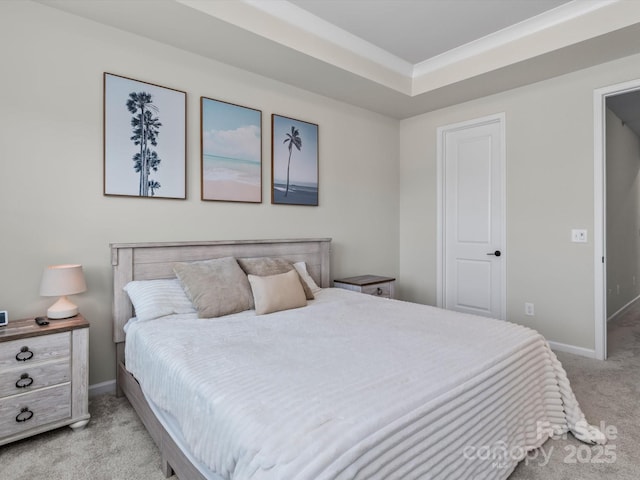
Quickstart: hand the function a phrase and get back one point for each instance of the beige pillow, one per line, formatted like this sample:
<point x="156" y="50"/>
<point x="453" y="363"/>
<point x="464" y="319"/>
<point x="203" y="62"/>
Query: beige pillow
<point x="263" y="266"/>
<point x="274" y="293"/>
<point x="215" y="287"/>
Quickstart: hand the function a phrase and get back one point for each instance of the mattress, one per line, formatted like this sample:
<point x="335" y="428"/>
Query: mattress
<point x="355" y="387"/>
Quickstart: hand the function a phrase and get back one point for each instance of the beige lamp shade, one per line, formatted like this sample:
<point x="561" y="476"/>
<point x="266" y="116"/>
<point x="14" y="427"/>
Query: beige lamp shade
<point x="62" y="280"/>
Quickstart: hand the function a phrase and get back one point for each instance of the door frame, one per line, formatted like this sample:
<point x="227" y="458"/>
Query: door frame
<point x="600" y="96"/>
<point x="499" y="118"/>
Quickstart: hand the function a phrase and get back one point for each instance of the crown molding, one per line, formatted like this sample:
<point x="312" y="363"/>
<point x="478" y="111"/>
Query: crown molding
<point x="303" y="20"/>
<point x="551" y="18"/>
<point x="558" y="29"/>
<point x="331" y="33"/>
<point x="285" y="24"/>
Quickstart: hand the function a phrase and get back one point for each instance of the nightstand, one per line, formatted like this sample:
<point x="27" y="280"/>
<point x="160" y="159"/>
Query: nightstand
<point x="368" y="284"/>
<point x="44" y="377"/>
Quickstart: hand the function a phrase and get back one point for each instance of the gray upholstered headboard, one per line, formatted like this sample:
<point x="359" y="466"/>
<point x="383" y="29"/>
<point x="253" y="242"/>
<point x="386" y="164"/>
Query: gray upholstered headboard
<point x="147" y="261"/>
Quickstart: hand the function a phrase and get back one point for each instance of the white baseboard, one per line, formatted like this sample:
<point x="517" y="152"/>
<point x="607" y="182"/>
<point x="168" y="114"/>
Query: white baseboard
<point x="563" y="347"/>
<point x="101" y="388"/>
<point x="620" y="310"/>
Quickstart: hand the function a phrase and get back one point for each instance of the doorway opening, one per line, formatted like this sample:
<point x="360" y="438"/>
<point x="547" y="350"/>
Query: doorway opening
<point x="617" y="204"/>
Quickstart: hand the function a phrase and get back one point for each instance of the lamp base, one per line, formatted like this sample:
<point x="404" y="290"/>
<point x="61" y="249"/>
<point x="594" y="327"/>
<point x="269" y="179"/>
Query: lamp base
<point x="63" y="308"/>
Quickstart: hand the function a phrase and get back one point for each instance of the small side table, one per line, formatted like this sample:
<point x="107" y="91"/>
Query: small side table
<point x="44" y="377"/>
<point x="368" y="284"/>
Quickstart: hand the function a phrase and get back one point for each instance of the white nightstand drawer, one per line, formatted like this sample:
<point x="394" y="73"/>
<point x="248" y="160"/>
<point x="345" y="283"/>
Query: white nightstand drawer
<point x="29" y="377"/>
<point x="32" y="350"/>
<point x="378" y="290"/>
<point x="24" y="412"/>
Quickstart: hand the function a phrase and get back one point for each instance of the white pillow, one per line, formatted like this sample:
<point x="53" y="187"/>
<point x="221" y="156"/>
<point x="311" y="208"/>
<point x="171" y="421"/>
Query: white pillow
<point x="158" y="298"/>
<point x="274" y="293"/>
<point x="301" y="268"/>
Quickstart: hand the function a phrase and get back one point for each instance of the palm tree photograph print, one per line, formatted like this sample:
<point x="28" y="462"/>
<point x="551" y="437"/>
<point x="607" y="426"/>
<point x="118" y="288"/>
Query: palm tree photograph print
<point x="144" y="139"/>
<point x="294" y="161"/>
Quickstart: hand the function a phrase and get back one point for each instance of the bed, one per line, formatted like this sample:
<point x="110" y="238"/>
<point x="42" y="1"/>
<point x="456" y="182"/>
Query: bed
<point x="349" y="386"/>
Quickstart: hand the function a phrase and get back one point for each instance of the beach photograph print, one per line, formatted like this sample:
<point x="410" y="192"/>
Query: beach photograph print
<point x="294" y="161"/>
<point x="231" y="137"/>
<point x="144" y="139"/>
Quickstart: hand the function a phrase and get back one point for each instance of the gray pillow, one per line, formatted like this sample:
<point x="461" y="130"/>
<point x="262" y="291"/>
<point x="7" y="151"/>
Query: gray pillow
<point x="267" y="266"/>
<point x="215" y="287"/>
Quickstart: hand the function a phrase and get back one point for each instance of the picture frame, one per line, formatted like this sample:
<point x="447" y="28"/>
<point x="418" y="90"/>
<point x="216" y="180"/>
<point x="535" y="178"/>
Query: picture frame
<point x="231" y="152"/>
<point x="145" y="131"/>
<point x="294" y="161"/>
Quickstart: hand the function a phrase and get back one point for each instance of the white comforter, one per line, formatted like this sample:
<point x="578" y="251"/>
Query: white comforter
<point x="354" y="386"/>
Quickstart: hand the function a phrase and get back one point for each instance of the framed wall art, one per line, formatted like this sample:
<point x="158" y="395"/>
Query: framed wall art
<point x="294" y="161"/>
<point x="231" y="147"/>
<point x="144" y="139"/>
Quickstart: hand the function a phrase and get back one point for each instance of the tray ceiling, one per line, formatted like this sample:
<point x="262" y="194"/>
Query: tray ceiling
<point x="396" y="57"/>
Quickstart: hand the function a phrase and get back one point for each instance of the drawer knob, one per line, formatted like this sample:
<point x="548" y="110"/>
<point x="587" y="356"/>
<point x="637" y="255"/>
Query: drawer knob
<point x="24" y="354"/>
<point x="25" y="381"/>
<point x="24" y="415"/>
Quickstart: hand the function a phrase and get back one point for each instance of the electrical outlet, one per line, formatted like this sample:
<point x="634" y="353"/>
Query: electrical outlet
<point x="528" y="309"/>
<point x="579" y="235"/>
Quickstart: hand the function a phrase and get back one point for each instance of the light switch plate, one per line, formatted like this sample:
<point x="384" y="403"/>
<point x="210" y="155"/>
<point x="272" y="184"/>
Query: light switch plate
<point x="578" y="235"/>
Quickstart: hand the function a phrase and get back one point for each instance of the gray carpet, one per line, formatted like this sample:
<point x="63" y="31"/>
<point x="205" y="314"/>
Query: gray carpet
<point x="608" y="392"/>
<point x="115" y="445"/>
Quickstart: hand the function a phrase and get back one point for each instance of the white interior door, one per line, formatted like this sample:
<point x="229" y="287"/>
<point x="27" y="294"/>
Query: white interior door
<point x="473" y="244"/>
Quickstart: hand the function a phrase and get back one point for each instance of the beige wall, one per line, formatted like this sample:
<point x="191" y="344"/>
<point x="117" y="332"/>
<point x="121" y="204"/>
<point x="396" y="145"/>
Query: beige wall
<point x="623" y="214"/>
<point x="550" y="190"/>
<point x="51" y="201"/>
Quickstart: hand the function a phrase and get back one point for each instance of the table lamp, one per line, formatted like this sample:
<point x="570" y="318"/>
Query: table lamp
<point x="62" y="280"/>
